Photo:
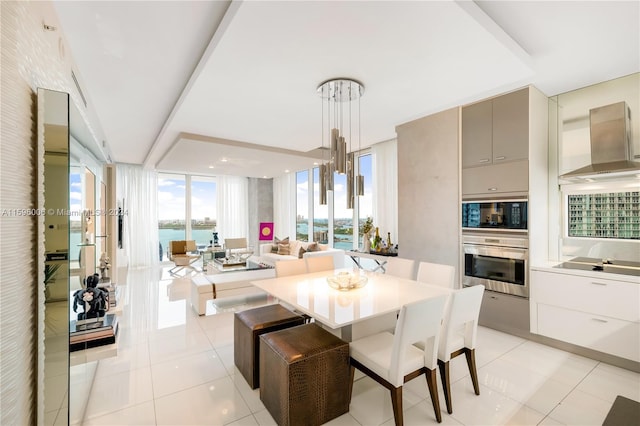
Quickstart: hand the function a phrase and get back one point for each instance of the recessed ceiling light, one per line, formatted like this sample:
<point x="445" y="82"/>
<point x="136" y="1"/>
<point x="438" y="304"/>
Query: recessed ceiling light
<point x="315" y="163"/>
<point x="211" y="167"/>
<point x="286" y="171"/>
<point x="224" y="160"/>
<point x="264" y="177"/>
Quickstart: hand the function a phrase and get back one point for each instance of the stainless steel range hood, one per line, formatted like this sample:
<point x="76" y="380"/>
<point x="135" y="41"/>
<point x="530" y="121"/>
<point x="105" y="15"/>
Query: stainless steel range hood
<point x="610" y="128"/>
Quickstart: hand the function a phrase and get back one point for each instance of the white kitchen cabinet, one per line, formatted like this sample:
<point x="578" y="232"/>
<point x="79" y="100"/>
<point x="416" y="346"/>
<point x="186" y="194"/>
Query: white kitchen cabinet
<point x="496" y="130"/>
<point x="597" y="332"/>
<point x="589" y="310"/>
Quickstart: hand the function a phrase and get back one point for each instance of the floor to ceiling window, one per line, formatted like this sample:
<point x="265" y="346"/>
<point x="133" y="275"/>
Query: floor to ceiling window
<point x="365" y="202"/>
<point x="171" y="210"/>
<point x="186" y="209"/>
<point x="333" y="221"/>
<point x="302" y="205"/>
<point x="320" y="212"/>
<point x="203" y="210"/>
<point x="75" y="209"/>
<point x="342" y="217"/>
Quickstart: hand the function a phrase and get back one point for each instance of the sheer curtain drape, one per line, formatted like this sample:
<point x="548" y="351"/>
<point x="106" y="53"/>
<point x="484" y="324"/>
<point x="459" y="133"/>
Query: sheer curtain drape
<point x="284" y="206"/>
<point x="138" y="188"/>
<point x="385" y="187"/>
<point x="232" y="201"/>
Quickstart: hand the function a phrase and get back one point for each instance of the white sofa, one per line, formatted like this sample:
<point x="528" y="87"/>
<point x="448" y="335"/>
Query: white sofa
<point x="267" y="255"/>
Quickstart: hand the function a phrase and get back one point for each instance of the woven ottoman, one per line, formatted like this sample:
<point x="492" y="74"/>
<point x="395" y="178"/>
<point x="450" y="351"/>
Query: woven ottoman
<point x="248" y="326"/>
<point x="304" y="375"/>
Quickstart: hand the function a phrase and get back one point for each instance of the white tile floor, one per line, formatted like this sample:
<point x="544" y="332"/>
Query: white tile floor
<point x="176" y="368"/>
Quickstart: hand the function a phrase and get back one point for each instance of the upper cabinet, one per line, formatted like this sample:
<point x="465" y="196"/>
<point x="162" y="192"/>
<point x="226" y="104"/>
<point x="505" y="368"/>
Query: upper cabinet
<point x="511" y="126"/>
<point x="496" y="130"/>
<point x="477" y="134"/>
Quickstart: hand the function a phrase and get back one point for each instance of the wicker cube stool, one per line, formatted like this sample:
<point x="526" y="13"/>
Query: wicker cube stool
<point x="304" y="375"/>
<point x="248" y="326"/>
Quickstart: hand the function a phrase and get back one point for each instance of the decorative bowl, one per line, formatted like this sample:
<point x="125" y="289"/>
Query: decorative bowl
<point x="344" y="281"/>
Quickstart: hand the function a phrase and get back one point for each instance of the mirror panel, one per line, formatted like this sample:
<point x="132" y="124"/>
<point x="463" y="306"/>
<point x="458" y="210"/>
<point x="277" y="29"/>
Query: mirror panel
<point x="70" y="174"/>
<point x="54" y="136"/>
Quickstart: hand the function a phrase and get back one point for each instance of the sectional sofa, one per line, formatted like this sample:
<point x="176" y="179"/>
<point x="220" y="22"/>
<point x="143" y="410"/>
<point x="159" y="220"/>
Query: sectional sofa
<point x="269" y="252"/>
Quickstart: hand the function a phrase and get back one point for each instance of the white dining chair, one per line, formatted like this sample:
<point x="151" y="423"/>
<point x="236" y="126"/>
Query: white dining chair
<point x="459" y="332"/>
<point x="401" y="268"/>
<point x="284" y="268"/>
<point x="437" y="274"/>
<point x="319" y="263"/>
<point x="393" y="359"/>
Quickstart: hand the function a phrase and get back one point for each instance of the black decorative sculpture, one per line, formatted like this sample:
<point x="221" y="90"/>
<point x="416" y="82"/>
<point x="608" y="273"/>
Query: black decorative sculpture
<point x="92" y="299"/>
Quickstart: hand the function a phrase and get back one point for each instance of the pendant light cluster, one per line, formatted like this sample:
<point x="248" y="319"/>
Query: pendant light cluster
<point x="337" y="128"/>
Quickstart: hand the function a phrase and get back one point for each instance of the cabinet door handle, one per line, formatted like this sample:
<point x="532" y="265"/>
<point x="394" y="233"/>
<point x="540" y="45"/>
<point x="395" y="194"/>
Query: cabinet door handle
<point x="595" y="283"/>
<point x="599" y="320"/>
<point x="492" y="189"/>
<point x="501" y="157"/>
<point x="484" y="160"/>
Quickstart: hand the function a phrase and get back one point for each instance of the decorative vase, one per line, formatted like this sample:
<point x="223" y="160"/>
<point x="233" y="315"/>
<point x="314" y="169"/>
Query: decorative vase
<point x="366" y="242"/>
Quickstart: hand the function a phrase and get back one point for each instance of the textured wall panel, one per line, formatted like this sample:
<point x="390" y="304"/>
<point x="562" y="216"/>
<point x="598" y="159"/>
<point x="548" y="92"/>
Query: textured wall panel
<point x="428" y="189"/>
<point x="30" y="58"/>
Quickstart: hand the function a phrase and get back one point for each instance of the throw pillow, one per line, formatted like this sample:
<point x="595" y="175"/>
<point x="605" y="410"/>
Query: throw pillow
<point x="312" y="247"/>
<point x="294" y="247"/>
<point x="283" y="249"/>
<point x="301" y="252"/>
<point x="276" y="241"/>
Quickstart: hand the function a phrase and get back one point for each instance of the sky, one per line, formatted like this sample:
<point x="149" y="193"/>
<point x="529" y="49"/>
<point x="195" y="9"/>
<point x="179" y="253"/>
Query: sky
<point x="172" y="192"/>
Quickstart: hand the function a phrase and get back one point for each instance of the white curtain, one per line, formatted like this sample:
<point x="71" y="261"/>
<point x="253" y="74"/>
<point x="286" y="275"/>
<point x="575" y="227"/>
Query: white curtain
<point x="284" y="207"/>
<point x="232" y="201"/>
<point x="138" y="188"/>
<point x="385" y="187"/>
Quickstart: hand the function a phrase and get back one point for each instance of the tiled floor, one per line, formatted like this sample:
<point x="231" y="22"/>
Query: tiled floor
<point x="174" y="367"/>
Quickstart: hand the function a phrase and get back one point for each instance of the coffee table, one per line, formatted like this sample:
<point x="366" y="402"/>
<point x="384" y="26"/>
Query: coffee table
<point x="229" y="282"/>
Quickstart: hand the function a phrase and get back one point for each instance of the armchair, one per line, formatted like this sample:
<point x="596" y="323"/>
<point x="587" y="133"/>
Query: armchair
<point x="180" y="254"/>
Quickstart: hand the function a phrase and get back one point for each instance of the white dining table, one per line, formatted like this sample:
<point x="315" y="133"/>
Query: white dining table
<point x="382" y="295"/>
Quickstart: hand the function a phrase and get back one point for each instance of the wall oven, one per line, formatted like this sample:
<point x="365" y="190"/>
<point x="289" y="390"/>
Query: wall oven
<point x="498" y="262"/>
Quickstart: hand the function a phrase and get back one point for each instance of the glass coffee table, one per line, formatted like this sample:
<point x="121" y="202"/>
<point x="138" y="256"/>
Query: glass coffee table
<point x="239" y="264"/>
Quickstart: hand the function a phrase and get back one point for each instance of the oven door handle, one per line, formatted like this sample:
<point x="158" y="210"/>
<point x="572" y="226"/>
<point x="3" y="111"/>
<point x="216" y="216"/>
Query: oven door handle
<point x="505" y="252"/>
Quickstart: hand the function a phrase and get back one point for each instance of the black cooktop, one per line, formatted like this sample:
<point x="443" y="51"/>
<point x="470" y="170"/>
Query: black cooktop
<point x="591" y="264"/>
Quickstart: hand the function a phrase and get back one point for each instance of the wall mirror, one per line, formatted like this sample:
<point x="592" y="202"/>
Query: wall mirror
<point x="72" y="172"/>
<point x="573" y="118"/>
<point x="53" y="135"/>
<point x="570" y="142"/>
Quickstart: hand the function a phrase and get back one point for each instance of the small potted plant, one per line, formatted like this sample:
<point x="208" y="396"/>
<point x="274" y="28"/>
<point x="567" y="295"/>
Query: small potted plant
<point x="50" y="272"/>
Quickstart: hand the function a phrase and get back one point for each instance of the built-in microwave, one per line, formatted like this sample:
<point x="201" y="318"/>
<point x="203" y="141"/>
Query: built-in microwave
<point x="508" y="215"/>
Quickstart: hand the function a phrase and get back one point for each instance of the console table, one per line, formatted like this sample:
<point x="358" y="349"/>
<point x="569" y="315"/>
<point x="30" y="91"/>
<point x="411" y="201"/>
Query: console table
<point x="380" y="259"/>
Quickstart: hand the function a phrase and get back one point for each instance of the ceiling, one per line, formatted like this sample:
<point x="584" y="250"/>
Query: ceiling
<point x="201" y="87"/>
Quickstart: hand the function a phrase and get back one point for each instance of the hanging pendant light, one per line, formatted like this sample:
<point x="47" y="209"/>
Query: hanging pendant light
<point x="359" y="178"/>
<point x="341" y="158"/>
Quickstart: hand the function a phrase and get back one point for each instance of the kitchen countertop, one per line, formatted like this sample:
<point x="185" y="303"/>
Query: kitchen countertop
<point x="552" y="266"/>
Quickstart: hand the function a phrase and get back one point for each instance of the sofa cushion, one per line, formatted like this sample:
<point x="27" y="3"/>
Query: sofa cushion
<point x="283" y="249"/>
<point x="294" y="248"/>
<point x="277" y="242"/>
<point x="307" y="247"/>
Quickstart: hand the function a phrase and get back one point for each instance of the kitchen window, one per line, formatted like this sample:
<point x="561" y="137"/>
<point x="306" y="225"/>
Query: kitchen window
<point x="613" y="215"/>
